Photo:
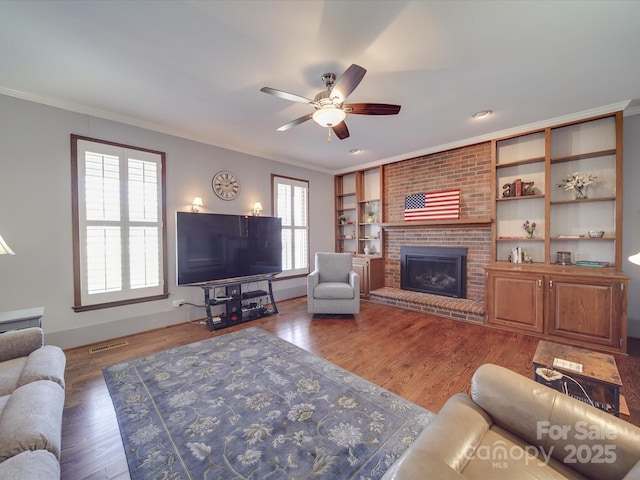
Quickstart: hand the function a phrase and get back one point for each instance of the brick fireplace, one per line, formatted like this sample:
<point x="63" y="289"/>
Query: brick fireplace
<point x="477" y="241"/>
<point x="467" y="168"/>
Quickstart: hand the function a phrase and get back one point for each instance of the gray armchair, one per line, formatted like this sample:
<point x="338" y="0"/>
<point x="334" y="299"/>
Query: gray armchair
<point x="333" y="287"/>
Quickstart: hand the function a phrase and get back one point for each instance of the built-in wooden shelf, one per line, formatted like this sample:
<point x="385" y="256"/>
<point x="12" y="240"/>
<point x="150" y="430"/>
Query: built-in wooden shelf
<point x="461" y="223"/>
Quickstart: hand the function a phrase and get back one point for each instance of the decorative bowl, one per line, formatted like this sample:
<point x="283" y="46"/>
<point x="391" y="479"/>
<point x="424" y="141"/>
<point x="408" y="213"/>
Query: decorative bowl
<point x="594" y="234"/>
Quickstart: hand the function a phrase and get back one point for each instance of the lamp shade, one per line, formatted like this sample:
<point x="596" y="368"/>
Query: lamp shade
<point x="4" y="248"/>
<point x="633" y="258"/>
<point x="329" y="116"/>
<point x="196" y="204"/>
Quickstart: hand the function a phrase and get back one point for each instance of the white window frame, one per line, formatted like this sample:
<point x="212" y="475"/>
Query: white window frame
<point x="290" y="230"/>
<point x="125" y="293"/>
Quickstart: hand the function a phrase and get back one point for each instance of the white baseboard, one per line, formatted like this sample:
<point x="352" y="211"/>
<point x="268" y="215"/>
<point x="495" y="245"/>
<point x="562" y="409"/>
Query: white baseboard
<point x="102" y="332"/>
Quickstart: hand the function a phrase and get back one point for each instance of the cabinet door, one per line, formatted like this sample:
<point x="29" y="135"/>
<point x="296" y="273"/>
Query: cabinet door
<point x="587" y="310"/>
<point x="376" y="273"/>
<point x="516" y="300"/>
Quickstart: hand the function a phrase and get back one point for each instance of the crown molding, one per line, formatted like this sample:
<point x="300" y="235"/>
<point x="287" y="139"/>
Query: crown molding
<point x="106" y="115"/>
<point x="594" y="112"/>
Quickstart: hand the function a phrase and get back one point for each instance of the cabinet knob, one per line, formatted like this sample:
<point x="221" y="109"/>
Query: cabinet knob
<point x="539" y="283"/>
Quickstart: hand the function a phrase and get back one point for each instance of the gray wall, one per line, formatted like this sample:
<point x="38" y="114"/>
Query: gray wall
<point x="631" y="218"/>
<point x="35" y="216"/>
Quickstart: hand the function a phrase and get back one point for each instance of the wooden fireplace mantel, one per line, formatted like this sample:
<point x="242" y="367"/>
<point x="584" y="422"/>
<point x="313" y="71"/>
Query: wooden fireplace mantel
<point x="460" y="223"/>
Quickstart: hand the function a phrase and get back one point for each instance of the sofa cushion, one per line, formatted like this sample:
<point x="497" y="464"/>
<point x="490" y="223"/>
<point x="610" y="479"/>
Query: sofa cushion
<point x="46" y="363"/>
<point x="31" y="465"/>
<point x="32" y="419"/>
<point x="333" y="291"/>
<point x="10" y="371"/>
<point x="20" y="343"/>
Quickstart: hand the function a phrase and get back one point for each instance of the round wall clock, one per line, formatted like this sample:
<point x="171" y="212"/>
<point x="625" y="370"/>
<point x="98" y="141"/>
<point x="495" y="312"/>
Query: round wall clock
<point x="225" y="185"/>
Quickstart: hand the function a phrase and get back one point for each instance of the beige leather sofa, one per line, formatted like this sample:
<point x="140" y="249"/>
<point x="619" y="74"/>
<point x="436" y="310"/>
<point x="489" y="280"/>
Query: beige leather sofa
<point x="31" y="405"/>
<point x="512" y="427"/>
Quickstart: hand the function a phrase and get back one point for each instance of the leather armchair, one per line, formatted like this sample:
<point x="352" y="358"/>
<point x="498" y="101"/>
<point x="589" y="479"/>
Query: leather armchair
<point x="513" y="427"/>
<point x="333" y="287"/>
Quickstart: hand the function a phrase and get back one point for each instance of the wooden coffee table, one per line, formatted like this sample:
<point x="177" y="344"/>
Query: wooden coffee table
<point x="596" y="372"/>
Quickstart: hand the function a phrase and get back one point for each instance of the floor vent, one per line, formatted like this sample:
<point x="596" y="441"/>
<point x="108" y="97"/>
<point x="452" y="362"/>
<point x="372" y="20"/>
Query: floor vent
<point x="108" y="346"/>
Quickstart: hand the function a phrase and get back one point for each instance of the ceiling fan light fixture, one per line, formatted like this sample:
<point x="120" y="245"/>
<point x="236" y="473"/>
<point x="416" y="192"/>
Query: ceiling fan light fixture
<point x="329" y="116"/>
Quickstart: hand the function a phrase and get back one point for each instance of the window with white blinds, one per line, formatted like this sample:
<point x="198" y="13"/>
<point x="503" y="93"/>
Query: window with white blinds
<point x="291" y="204"/>
<point x="119" y="250"/>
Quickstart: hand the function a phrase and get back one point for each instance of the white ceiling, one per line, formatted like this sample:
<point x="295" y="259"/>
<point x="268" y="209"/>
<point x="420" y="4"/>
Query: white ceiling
<point x="195" y="68"/>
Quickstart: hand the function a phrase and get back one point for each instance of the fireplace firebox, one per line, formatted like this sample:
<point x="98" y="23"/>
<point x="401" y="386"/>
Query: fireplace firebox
<point x="435" y="270"/>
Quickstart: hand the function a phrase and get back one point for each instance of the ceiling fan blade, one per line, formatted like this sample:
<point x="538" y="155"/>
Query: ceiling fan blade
<point x="341" y="130"/>
<point x="286" y="95"/>
<point x="295" y="122"/>
<point x="348" y="82"/>
<point x="371" y="109"/>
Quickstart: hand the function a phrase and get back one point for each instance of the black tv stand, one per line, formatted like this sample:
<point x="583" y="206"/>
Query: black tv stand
<point x="237" y="309"/>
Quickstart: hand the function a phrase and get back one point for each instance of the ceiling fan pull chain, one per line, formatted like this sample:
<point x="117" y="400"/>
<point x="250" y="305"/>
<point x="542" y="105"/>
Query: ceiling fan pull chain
<point x="329" y="136"/>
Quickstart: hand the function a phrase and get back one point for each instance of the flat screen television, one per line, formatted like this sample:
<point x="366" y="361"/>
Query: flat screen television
<point x="215" y="247"/>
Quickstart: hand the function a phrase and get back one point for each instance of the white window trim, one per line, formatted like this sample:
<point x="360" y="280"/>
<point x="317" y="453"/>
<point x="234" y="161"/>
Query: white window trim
<point x="275" y="180"/>
<point x="127" y="295"/>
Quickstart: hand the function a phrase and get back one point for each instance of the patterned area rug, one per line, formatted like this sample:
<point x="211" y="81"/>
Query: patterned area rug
<point x="248" y="405"/>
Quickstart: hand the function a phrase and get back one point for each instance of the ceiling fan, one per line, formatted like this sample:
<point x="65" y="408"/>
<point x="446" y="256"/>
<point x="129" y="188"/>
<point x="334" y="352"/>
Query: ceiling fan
<point x="330" y="109"/>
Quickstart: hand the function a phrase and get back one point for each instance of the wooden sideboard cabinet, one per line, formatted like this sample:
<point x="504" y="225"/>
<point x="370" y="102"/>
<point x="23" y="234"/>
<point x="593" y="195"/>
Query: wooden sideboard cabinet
<point x="371" y="271"/>
<point x="569" y="304"/>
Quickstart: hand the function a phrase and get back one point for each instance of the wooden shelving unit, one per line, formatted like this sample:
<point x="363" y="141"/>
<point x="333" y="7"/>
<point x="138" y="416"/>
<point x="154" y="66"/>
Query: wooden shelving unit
<point x="568" y="303"/>
<point x="359" y="197"/>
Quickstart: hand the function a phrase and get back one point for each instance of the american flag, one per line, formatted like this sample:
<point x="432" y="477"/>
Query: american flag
<point x="444" y="205"/>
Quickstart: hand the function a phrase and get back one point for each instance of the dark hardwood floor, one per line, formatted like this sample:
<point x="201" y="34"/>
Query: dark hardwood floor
<point x="421" y="358"/>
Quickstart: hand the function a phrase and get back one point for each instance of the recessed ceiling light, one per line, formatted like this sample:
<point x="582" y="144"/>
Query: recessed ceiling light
<point x="482" y="114"/>
<point x="355" y="151"/>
